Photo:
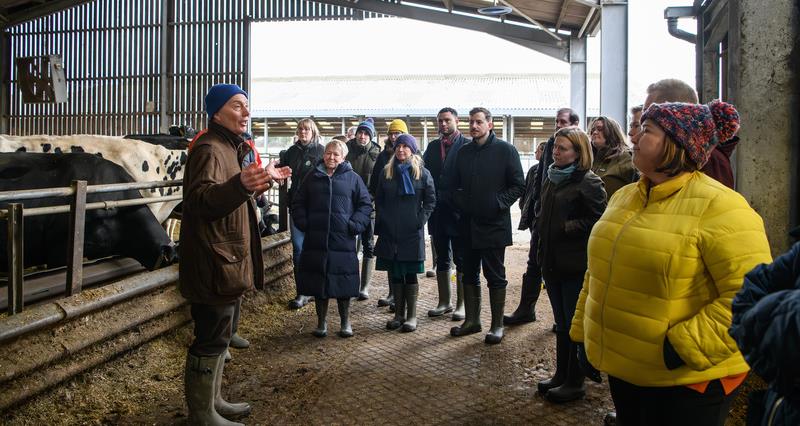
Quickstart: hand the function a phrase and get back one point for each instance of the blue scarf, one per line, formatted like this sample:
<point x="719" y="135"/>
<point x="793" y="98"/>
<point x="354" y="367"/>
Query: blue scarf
<point x="408" y="185"/>
<point x="557" y="176"/>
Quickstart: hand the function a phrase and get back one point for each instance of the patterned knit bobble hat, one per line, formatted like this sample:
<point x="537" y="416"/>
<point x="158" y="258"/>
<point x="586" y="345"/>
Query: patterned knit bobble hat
<point x="407" y="140"/>
<point x="695" y="127"/>
<point x="369" y="126"/>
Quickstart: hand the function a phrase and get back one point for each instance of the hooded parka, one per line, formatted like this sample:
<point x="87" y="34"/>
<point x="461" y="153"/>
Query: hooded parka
<point x="331" y="211"/>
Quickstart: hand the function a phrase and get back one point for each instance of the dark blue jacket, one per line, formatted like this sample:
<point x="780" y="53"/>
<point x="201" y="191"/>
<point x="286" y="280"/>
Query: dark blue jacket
<point x="302" y="160"/>
<point x="766" y="327"/>
<point x="488" y="179"/>
<point x="400" y="219"/>
<point x="377" y="169"/>
<point x="445" y="216"/>
<point x="331" y="211"/>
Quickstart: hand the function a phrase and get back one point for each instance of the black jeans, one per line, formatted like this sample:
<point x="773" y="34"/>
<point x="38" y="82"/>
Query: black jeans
<point x="563" y="295"/>
<point x="367" y="243"/>
<point x="212" y="328"/>
<point x="673" y="405"/>
<point x="491" y="260"/>
<point x="533" y="269"/>
<point x="447" y="251"/>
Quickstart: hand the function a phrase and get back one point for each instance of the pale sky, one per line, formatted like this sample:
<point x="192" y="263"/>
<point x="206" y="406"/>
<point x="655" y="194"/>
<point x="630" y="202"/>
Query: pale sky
<point x="401" y="46"/>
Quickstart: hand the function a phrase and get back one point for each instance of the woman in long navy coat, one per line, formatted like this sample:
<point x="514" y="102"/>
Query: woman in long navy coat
<point x="404" y="200"/>
<point x="332" y="206"/>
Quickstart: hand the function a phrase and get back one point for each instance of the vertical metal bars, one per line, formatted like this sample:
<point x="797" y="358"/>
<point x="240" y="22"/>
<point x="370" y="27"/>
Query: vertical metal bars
<point x="77" y="225"/>
<point x="138" y="66"/>
<point x="15" y="252"/>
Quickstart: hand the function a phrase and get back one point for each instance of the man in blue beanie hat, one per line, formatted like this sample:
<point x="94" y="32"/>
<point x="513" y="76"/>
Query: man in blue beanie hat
<point x="362" y="153"/>
<point x="219" y="236"/>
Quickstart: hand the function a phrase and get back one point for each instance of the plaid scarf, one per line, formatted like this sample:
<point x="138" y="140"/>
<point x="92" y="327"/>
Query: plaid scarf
<point x="447" y="142"/>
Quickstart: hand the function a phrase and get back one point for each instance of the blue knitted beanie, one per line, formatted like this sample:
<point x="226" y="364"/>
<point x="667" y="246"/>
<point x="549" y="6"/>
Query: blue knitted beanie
<point x="369" y="126"/>
<point x="407" y="140"/>
<point x="218" y="95"/>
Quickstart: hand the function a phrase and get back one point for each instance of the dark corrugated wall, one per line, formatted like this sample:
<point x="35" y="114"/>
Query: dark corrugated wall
<point x="112" y="58"/>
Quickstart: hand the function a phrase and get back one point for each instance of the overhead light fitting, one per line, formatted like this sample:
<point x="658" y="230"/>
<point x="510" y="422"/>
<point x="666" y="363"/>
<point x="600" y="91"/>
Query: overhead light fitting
<point x="495" y="10"/>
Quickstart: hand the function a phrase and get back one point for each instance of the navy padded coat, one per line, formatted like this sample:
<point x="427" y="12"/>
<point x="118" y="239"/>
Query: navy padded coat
<point x="331" y="211"/>
<point x="766" y="327"/>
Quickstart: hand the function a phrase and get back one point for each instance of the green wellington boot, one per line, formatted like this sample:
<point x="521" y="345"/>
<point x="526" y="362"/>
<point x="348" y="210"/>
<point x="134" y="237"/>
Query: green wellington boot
<point x="199" y="386"/>
<point x="472" y="308"/>
<point x="322" y="314"/>
<point x="239" y="342"/>
<point x="367" y="269"/>
<point x="227" y="409"/>
<point x="345" y="329"/>
<point x="388" y="300"/>
<point x="399" y="305"/>
<point x="458" y="313"/>
<point x="497" y="301"/>
<point x="411" y="291"/>
<point x="443" y="284"/>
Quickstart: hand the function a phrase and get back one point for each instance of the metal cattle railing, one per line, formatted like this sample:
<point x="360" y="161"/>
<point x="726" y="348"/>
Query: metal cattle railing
<point x="15" y="213"/>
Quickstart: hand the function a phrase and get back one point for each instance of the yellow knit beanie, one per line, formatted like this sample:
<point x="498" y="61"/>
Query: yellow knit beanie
<point x="398" y="125"/>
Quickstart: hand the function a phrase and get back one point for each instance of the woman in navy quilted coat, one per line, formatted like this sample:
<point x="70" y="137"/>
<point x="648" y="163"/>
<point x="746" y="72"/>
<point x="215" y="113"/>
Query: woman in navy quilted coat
<point x="766" y="327"/>
<point x="404" y="200"/>
<point x="332" y="206"/>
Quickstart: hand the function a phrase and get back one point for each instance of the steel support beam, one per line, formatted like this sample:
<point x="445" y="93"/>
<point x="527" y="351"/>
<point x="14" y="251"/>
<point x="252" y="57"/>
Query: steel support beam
<point x="529" y="37"/>
<point x="38" y="11"/>
<point x="167" y="43"/>
<point x="5" y="82"/>
<point x="614" y="59"/>
<point x="577" y="76"/>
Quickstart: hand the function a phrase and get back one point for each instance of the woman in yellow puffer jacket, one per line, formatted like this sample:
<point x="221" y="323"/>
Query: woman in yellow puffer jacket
<point x="664" y="262"/>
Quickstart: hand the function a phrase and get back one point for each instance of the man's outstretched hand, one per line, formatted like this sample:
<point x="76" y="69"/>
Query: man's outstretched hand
<point x="255" y="179"/>
<point x="278" y="173"/>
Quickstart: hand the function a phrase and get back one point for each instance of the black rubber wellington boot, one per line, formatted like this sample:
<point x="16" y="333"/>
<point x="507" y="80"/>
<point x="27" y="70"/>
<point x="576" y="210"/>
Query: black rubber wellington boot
<point x="497" y="301"/>
<point x="562" y="360"/>
<point x="573" y="387"/>
<point x="525" y="312"/>
<point x="472" y="309"/>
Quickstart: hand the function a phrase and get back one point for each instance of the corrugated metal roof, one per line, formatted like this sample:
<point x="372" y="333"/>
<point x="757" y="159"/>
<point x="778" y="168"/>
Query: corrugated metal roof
<point x="414" y="95"/>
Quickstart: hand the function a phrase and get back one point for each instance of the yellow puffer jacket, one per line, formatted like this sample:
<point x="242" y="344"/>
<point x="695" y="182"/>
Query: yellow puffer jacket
<point x="668" y="263"/>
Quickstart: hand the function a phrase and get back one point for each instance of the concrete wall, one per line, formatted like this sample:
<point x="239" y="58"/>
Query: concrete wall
<point x="765" y="95"/>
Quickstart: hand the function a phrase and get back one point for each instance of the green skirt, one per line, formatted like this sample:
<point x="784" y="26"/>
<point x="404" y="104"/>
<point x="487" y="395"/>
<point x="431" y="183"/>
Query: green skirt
<point x="398" y="268"/>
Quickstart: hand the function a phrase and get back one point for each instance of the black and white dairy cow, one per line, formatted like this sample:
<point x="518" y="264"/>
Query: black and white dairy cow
<point x="144" y="162"/>
<point x="127" y="231"/>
